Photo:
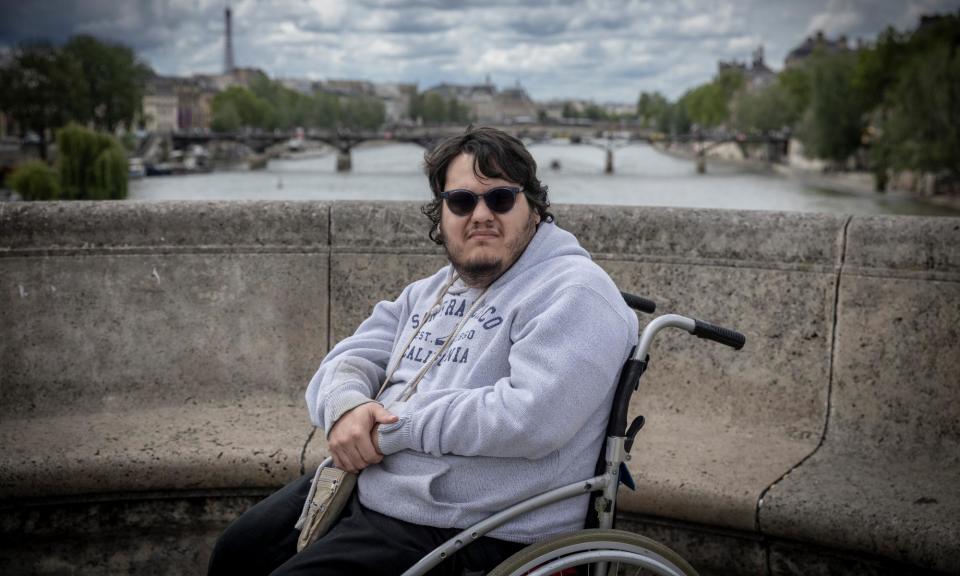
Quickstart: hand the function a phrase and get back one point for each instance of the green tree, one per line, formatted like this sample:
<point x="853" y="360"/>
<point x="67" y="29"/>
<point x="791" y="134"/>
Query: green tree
<point x="795" y="82"/>
<point x="252" y="111"/>
<point x="651" y="107"/>
<point x="114" y="79"/>
<point x="324" y="110"/>
<point x="594" y="112"/>
<point x="362" y="112"/>
<point x="93" y="166"/>
<point x="709" y="104"/>
<point x="225" y="119"/>
<point x="43" y="88"/>
<point x="675" y="120"/>
<point x="920" y="125"/>
<point x="432" y="108"/>
<point x="834" y="122"/>
<point x="34" y="180"/>
<point x="770" y="108"/>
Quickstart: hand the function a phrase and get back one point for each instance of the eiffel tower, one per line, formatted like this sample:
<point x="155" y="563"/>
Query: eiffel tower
<point x="228" y="51"/>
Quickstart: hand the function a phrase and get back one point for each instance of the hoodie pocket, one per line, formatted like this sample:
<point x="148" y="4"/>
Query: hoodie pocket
<point x="492" y="484"/>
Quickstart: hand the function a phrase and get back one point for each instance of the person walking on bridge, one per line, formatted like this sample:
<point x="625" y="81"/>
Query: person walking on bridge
<point x="500" y="369"/>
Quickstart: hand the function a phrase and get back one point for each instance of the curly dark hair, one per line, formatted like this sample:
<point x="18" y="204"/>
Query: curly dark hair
<point x="497" y="155"/>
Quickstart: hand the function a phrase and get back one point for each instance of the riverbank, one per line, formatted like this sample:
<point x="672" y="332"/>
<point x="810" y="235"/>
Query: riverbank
<point x="858" y="183"/>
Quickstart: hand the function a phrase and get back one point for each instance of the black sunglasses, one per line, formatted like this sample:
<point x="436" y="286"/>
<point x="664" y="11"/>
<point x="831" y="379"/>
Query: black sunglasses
<point x="499" y="200"/>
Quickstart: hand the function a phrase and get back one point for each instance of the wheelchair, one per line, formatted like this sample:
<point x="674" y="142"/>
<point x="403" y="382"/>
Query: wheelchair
<point x="602" y="550"/>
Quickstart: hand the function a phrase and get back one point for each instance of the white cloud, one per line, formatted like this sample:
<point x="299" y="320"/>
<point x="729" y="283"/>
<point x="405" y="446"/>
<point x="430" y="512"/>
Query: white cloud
<point x="743" y="43"/>
<point x="840" y="17"/>
<point x="605" y="49"/>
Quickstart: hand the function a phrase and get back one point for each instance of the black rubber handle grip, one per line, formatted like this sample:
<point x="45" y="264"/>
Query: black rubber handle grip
<point x="731" y="338"/>
<point x="638" y="303"/>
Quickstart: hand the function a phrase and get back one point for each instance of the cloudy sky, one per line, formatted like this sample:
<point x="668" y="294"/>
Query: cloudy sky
<point x="607" y="50"/>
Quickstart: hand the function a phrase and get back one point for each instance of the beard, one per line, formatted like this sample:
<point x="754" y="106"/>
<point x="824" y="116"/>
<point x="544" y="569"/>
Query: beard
<point x="481" y="271"/>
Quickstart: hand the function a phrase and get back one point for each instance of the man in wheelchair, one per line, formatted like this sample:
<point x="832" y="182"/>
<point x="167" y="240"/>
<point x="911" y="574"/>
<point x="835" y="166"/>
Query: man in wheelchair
<point x="499" y="372"/>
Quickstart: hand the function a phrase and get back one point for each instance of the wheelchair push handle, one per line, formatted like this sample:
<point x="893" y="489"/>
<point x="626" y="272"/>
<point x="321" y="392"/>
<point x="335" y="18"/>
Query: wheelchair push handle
<point x="731" y="338"/>
<point x="638" y="303"/>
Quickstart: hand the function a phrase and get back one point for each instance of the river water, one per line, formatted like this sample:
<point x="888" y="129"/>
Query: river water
<point x="643" y="177"/>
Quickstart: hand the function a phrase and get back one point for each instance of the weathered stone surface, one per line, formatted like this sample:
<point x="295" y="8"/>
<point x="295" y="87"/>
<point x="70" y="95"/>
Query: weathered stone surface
<point x="380" y="227"/>
<point x="125" y="332"/>
<point x="724" y="425"/>
<point x="885" y="480"/>
<point x="891" y="243"/>
<point x="149" y="536"/>
<point x="123" y="224"/>
<point x="254" y="443"/>
<point x="791" y="559"/>
<point x="157" y="347"/>
<point x="735" y="237"/>
<point x="359" y="281"/>
<point x="711" y="552"/>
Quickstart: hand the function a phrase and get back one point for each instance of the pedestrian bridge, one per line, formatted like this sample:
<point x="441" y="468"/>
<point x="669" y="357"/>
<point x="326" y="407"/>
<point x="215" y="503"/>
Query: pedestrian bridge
<point x="154" y="360"/>
<point x="344" y="141"/>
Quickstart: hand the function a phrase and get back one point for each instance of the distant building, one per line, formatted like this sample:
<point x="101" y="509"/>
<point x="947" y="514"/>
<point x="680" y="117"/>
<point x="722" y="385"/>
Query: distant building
<point x="349" y="88"/>
<point x="812" y="44"/>
<point x="515" y="105"/>
<point x="396" y="100"/>
<point x="489" y="105"/>
<point x="757" y="75"/>
<point x="620" y="108"/>
<point x="301" y="85"/>
<point x="553" y="110"/>
<point x="178" y="104"/>
<point x="479" y="98"/>
<point x="160" y="105"/>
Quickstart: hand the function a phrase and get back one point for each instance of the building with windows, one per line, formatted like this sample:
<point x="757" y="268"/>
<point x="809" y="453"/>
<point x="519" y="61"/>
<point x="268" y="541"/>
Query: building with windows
<point x="757" y="74"/>
<point x="160" y="105"/>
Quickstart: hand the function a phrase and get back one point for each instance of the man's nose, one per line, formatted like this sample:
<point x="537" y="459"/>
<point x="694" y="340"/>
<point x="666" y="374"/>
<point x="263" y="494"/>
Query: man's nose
<point x="481" y="213"/>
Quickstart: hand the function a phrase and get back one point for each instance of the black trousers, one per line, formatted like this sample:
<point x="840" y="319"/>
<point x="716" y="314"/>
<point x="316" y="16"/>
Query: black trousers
<point x="264" y="541"/>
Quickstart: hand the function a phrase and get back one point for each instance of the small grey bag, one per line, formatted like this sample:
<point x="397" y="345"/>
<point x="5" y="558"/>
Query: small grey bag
<point x="329" y="493"/>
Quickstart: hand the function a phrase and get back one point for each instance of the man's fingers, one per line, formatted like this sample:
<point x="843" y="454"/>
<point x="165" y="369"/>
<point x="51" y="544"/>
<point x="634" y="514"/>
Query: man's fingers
<point x="368" y="451"/>
<point x="340" y="462"/>
<point x="348" y="461"/>
<point x="383" y="416"/>
<point x="359" y="459"/>
<point x="350" y="441"/>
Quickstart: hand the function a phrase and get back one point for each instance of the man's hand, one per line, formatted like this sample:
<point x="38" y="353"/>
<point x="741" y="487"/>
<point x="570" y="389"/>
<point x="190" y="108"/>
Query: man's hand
<point x="352" y="439"/>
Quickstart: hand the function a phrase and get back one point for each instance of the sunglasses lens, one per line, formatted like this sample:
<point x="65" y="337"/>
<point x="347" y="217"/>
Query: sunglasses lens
<point x="500" y="200"/>
<point x="461" y="203"/>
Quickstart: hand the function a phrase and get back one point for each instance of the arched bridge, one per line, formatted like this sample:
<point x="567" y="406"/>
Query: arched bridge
<point x="427" y="137"/>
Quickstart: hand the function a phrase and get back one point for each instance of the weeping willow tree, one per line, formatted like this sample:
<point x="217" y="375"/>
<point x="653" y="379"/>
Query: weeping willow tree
<point x="35" y="180"/>
<point x="93" y="166"/>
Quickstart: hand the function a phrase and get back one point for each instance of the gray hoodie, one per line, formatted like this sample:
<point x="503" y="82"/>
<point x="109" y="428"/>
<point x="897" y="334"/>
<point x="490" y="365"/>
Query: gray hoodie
<point x="515" y="406"/>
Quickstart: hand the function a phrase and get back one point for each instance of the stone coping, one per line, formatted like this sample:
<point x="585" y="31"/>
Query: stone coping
<point x="654" y="233"/>
<point x="163" y="225"/>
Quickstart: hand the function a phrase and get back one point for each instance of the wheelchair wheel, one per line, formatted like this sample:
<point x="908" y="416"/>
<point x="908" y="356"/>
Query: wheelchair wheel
<point x="580" y="552"/>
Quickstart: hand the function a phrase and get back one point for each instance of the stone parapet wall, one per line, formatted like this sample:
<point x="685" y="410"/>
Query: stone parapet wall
<point x="157" y="354"/>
